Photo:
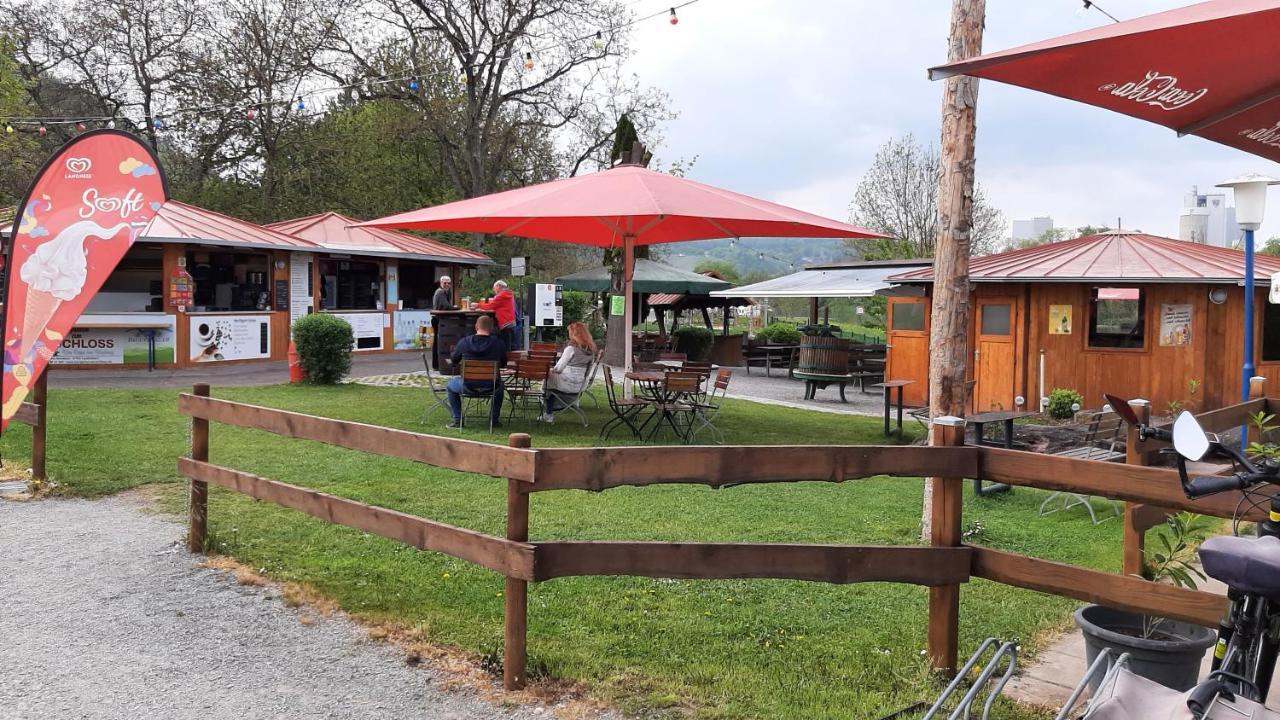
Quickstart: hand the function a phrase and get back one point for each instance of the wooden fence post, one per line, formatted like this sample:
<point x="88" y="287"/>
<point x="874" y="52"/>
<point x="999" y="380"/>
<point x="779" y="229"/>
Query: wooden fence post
<point x="945" y="511"/>
<point x="199" y="509"/>
<point x="516" y="595"/>
<point x="38" y="469"/>
<point x="1134" y="534"/>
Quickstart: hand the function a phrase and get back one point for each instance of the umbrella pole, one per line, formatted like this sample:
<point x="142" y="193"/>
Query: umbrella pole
<point x="628" y="277"/>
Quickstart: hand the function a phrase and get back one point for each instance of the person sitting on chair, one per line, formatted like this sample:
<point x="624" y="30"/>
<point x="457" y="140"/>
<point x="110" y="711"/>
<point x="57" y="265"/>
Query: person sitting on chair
<point x="481" y="346"/>
<point x="443" y="299"/>
<point x="568" y="377"/>
<point x="503" y="305"/>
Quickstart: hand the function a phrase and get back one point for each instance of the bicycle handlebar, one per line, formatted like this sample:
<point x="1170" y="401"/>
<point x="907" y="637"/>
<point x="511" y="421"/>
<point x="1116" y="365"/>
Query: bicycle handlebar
<point x="1198" y="487"/>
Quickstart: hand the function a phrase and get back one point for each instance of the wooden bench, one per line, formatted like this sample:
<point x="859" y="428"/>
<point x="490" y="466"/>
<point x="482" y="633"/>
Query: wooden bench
<point x="769" y="357"/>
<point x="1103" y="442"/>
<point x="813" y="382"/>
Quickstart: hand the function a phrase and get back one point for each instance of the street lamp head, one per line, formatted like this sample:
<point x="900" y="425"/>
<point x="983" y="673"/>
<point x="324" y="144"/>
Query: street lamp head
<point x="1251" y="198"/>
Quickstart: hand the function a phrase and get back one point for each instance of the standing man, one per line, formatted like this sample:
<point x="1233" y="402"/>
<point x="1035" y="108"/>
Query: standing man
<point x="481" y="346"/>
<point x="443" y="299"/>
<point x="503" y="305"/>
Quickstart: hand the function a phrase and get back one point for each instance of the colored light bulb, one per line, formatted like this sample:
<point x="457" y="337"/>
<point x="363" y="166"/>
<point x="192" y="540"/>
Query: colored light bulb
<point x="301" y="105"/>
<point x="674" y="20"/>
<point x="80" y="126"/>
<point x="413" y="85"/>
<point x="250" y="114"/>
<point x="528" y="61"/>
<point x="43" y="131"/>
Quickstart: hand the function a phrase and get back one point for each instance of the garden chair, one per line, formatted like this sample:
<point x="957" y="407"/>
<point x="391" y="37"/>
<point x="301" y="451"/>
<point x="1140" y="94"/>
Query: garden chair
<point x="543" y="347"/>
<point x="572" y="401"/>
<point x="706" y="410"/>
<point x="673" y="356"/>
<point x="1103" y="442"/>
<point x="625" y="410"/>
<point x="675" y="404"/>
<point x="526" y="387"/>
<point x="480" y="371"/>
<point x="437" y="386"/>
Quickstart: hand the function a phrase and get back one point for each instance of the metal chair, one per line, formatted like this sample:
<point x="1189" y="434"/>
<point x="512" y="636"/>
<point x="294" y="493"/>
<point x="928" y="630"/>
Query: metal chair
<point x="573" y="401"/>
<point x="675" y="404"/>
<point x="526" y="387"/>
<point x="480" y="371"/>
<point x="707" y="409"/>
<point x="438" y="387"/>
<point x="625" y="410"/>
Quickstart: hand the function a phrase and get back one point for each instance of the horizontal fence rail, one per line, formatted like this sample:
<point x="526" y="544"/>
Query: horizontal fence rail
<point x="943" y="566"/>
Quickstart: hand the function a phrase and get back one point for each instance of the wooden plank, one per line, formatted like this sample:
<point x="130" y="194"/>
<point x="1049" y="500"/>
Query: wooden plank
<point x="1220" y="420"/>
<point x="1124" y="592"/>
<point x="1150" y="485"/>
<point x="198" y="500"/>
<point x="513" y="559"/>
<point x="28" y="414"/>
<point x="451" y="453"/>
<point x="603" y="468"/>
<point x="721" y="561"/>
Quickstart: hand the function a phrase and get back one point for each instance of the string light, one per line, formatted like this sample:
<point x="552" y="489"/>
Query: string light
<point x="158" y="123"/>
<point x="301" y="105"/>
<point x="599" y="41"/>
<point x="80" y="126"/>
<point x="528" y="61"/>
<point x="674" y="20"/>
<point x="8" y="129"/>
<point x="43" y="131"/>
<point x="250" y="114"/>
<point x="1090" y="5"/>
<point x="111" y="124"/>
<point x="413" y="85"/>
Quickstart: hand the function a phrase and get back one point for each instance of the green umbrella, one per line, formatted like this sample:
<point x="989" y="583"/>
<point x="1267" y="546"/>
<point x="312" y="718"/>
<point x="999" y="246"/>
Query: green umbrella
<point x="649" y="277"/>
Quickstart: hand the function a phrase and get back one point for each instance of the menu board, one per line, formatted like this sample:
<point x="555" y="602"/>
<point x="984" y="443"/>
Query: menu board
<point x="300" y="300"/>
<point x="230" y="337"/>
<point x="367" y="328"/>
<point x="180" y="288"/>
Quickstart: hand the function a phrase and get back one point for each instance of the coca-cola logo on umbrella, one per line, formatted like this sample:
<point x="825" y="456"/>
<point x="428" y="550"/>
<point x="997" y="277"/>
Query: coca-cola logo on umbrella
<point x="1157" y="90"/>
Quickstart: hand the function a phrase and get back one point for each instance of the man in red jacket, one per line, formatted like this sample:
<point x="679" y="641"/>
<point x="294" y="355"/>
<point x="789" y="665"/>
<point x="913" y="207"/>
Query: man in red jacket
<point x="503" y="305"/>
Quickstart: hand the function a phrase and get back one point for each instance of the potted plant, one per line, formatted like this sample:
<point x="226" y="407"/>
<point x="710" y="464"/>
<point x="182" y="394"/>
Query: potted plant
<point x="1165" y="651"/>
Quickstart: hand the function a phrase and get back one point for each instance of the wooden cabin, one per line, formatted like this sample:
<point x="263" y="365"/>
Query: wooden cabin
<point x="1121" y="312"/>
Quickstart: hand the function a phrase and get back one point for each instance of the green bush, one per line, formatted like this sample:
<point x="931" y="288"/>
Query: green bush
<point x="324" y="347"/>
<point x="694" y="341"/>
<point x="779" y="333"/>
<point x="1060" y="402"/>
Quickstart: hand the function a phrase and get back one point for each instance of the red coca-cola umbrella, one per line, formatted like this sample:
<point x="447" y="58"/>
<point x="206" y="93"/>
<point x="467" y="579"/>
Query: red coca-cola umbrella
<point x="1211" y="69"/>
<point x="623" y="207"/>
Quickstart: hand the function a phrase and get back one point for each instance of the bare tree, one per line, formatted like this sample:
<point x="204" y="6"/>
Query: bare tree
<point x="898" y="196"/>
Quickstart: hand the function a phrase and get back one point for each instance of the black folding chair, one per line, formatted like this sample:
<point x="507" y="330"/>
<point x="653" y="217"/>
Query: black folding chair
<point x="625" y="410"/>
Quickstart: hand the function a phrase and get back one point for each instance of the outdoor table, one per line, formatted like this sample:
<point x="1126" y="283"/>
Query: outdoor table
<point x="888" y="386"/>
<point x="676" y="364"/>
<point x="979" y="421"/>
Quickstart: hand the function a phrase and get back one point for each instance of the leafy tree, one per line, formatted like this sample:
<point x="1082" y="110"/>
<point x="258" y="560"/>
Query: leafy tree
<point x="1270" y="247"/>
<point x="722" y="268"/>
<point x="898" y="196"/>
<point x="1086" y="230"/>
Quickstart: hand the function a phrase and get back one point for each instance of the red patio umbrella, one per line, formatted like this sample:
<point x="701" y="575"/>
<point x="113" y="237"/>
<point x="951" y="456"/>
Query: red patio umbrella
<point x="623" y="207"/>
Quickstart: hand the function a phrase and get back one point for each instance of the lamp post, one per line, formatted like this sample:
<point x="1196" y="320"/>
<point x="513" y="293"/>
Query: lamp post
<point x="1251" y="202"/>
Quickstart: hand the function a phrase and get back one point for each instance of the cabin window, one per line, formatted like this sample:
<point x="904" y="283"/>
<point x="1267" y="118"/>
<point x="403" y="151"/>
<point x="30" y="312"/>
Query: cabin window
<point x="1270" y="332"/>
<point x="350" y="284"/>
<point x="908" y="316"/>
<point x="995" y="319"/>
<point x="1116" y="318"/>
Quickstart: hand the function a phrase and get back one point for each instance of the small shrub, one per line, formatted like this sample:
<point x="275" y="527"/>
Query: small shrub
<point x="694" y="341"/>
<point x="324" y="347"/>
<point x="779" y="333"/>
<point x="1060" y="402"/>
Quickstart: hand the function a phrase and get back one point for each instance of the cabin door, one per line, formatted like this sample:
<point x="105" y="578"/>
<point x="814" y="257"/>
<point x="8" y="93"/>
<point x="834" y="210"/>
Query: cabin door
<point x="994" y="357"/>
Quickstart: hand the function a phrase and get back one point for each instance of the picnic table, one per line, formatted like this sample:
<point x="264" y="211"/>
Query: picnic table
<point x="889" y="386"/>
<point x="979" y="422"/>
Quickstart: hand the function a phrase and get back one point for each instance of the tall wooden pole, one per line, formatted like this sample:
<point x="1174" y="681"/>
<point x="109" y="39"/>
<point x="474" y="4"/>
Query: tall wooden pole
<point x="948" y="335"/>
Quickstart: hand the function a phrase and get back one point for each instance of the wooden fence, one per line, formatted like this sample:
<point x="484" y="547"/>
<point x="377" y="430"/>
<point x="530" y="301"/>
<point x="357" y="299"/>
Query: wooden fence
<point x="943" y="566"/>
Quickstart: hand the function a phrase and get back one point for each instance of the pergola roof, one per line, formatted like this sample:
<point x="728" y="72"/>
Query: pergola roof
<point x="1116" y="256"/>
<point x="650" y="277"/>
<point x="334" y="231"/>
<point x="861" y="279"/>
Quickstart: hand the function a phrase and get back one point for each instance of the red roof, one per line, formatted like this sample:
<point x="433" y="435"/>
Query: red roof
<point x="1116" y="256"/>
<point x="180" y="222"/>
<point x="333" y="231"/>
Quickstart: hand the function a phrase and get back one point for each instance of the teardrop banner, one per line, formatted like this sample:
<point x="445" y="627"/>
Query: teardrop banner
<point x="87" y="205"/>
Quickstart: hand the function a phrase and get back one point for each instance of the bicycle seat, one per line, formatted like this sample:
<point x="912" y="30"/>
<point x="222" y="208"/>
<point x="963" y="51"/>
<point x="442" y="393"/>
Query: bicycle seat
<point x="1250" y="565"/>
<point x="1137" y="698"/>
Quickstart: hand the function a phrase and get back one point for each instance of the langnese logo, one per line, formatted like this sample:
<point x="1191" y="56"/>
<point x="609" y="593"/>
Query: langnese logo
<point x="1157" y="90"/>
<point x="78" y="168"/>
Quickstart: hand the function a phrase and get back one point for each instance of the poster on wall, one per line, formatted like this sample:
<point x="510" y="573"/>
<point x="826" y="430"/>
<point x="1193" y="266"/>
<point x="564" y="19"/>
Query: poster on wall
<point x="409" y="325"/>
<point x="1059" y="319"/>
<point x="113" y="346"/>
<point x="180" y="289"/>
<point x="367" y="328"/>
<point x="230" y="337"/>
<point x="1175" y="325"/>
<point x="300" y="301"/>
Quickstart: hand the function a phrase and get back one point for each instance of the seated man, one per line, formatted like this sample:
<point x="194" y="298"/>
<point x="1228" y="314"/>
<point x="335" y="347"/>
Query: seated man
<point x="481" y="346"/>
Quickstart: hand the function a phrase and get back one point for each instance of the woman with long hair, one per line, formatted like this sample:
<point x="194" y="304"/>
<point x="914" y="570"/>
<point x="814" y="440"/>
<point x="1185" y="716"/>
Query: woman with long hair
<point x="568" y="377"/>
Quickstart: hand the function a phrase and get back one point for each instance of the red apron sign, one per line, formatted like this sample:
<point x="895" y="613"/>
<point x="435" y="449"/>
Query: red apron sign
<point x="84" y="210"/>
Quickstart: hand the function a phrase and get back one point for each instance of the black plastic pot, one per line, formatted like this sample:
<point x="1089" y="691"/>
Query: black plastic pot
<point x="1172" y="658"/>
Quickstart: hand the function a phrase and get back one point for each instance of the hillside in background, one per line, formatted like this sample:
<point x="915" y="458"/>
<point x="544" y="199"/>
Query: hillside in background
<point x="745" y="254"/>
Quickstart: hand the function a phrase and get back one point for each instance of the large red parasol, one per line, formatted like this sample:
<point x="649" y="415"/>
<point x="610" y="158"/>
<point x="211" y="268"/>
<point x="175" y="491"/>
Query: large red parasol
<point x="1211" y="69"/>
<point x="623" y="207"/>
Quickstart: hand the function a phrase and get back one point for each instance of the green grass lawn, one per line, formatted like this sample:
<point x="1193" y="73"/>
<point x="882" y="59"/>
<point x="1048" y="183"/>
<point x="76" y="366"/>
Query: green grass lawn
<point x="723" y="649"/>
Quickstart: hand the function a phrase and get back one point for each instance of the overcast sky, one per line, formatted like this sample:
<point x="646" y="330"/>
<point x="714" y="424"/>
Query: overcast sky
<point x="789" y="99"/>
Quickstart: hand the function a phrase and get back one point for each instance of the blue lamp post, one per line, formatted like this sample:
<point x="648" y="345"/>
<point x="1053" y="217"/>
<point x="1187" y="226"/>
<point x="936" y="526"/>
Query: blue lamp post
<point x="1251" y="202"/>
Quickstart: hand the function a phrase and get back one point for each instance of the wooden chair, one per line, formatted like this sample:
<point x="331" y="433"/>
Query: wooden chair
<point x="625" y="410"/>
<point x="542" y="356"/>
<point x="543" y="347"/>
<point x="675" y="405"/>
<point x="526" y="387"/>
<point x="480" y="371"/>
<point x="438" y="387"/>
<point x="673" y="356"/>
<point x="1103" y="442"/>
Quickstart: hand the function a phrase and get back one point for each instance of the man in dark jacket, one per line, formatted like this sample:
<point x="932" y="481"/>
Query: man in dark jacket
<point x="443" y="299"/>
<point x="481" y="346"/>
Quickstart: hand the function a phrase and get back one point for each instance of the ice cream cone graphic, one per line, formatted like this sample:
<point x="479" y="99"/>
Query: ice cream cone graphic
<point x="41" y="307"/>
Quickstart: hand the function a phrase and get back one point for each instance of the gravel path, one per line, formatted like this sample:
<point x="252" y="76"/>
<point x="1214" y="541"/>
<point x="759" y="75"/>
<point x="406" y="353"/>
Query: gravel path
<point x="104" y="616"/>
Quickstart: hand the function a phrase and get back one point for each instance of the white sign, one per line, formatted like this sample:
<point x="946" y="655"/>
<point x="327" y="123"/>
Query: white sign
<point x="1275" y="289"/>
<point x="545" y="307"/>
<point x="113" y="346"/>
<point x="300" y="301"/>
<point x="519" y="266"/>
<point x="409" y="325"/>
<point x="230" y="337"/>
<point x="367" y="328"/>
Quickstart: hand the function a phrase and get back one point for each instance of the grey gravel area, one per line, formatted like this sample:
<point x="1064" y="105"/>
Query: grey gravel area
<point x="105" y="616"/>
<point x="778" y="389"/>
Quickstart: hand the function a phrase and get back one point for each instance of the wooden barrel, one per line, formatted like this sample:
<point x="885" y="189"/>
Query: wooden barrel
<point x="824" y="355"/>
